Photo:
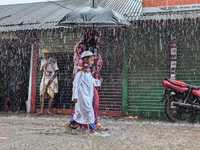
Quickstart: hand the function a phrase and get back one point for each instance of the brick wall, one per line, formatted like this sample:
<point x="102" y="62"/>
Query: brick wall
<point x="152" y="3"/>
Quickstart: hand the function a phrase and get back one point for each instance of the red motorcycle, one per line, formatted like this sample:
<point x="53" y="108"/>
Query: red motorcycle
<point x="182" y="100"/>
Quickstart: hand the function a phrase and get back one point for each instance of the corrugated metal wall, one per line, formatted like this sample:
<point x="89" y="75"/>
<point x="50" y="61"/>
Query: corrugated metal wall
<point x="188" y="68"/>
<point x="148" y="64"/>
<point x="112" y="51"/>
<point x="149" y="61"/>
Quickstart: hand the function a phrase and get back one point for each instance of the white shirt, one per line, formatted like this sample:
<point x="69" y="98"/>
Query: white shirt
<point x="49" y="73"/>
<point x="83" y="91"/>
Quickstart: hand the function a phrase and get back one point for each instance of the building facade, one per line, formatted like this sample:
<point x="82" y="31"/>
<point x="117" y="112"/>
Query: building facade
<point x="36" y="25"/>
<point x="163" y="44"/>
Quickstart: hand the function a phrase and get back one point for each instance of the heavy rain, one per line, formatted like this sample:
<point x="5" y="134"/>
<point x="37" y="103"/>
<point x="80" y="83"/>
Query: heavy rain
<point x="136" y="58"/>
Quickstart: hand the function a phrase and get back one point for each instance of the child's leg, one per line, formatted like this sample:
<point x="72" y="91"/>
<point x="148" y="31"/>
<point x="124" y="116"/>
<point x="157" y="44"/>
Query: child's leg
<point x="95" y="105"/>
<point x="68" y="124"/>
<point x="92" y="128"/>
<point x="72" y="121"/>
<point x="83" y="126"/>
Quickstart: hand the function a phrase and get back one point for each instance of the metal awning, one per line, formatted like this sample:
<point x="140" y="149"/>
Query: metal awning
<point x="45" y="15"/>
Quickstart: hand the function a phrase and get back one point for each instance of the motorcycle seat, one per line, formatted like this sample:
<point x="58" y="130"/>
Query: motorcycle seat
<point x="195" y="87"/>
<point x="174" y="82"/>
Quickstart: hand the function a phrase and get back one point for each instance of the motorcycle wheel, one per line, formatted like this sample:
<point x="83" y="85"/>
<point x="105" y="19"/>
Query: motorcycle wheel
<point x="177" y="113"/>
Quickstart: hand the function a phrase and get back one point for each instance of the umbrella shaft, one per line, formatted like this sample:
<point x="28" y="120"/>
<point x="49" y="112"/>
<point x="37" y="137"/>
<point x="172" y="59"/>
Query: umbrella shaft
<point x="92" y="3"/>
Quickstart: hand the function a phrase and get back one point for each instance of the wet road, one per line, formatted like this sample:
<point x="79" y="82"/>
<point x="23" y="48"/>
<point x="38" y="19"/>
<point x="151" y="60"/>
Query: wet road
<point x="27" y="132"/>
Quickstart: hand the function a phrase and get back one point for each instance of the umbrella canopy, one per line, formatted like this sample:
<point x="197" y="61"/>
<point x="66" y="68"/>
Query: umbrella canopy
<point x="87" y="16"/>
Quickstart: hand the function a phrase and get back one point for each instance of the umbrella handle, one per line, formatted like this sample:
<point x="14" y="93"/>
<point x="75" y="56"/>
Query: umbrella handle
<point x="93" y="6"/>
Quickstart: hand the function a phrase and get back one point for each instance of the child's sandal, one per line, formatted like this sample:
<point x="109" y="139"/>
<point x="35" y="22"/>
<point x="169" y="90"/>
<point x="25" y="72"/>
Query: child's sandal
<point x="68" y="128"/>
<point x="97" y="134"/>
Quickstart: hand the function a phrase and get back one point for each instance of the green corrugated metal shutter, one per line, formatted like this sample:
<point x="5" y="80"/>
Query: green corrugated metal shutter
<point x="148" y="49"/>
<point x="188" y="61"/>
<point x="149" y="63"/>
<point x="188" y="64"/>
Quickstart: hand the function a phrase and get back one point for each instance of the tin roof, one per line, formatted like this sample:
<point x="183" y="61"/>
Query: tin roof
<point x="45" y="15"/>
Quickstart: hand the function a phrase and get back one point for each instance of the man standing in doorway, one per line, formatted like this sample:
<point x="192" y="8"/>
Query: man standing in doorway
<point x="49" y="82"/>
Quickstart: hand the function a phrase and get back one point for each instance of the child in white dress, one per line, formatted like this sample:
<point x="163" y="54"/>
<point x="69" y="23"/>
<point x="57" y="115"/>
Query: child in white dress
<point x="83" y="92"/>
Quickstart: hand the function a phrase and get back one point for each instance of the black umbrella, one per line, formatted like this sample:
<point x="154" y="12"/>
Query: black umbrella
<point x="88" y="16"/>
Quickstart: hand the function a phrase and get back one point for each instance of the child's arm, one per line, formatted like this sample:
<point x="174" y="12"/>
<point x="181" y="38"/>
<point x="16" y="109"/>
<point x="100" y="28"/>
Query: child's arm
<point x="76" y="85"/>
<point x="96" y="82"/>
